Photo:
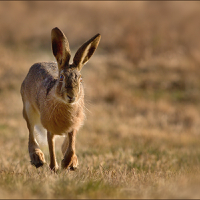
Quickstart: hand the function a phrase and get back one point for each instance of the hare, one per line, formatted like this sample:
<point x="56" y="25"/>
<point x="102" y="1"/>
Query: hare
<point x="53" y="98"/>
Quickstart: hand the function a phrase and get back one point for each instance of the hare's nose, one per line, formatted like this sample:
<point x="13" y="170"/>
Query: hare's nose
<point x="72" y="99"/>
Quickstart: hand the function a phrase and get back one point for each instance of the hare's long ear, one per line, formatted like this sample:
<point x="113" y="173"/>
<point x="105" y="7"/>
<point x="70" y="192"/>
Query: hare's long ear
<point x="86" y="51"/>
<point x="60" y="47"/>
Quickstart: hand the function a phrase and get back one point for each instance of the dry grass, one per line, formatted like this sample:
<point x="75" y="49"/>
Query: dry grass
<point x="141" y="137"/>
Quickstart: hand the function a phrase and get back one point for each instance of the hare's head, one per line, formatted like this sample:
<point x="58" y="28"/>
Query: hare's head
<point x="69" y="85"/>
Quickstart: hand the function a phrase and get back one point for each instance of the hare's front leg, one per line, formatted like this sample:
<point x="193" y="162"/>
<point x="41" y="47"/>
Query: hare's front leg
<point x="36" y="155"/>
<point x="51" y="142"/>
<point x="70" y="159"/>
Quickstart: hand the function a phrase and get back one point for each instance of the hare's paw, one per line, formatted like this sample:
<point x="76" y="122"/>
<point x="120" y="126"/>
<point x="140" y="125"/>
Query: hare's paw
<point x="54" y="168"/>
<point x="74" y="164"/>
<point x="70" y="161"/>
<point x="37" y="158"/>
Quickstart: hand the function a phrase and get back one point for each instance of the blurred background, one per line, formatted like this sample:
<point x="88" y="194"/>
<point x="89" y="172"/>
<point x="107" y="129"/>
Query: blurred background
<point x="142" y="84"/>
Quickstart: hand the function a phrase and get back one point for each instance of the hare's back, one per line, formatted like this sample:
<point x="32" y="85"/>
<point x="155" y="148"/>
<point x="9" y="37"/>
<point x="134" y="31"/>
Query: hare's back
<point x="38" y="75"/>
<point x="43" y="70"/>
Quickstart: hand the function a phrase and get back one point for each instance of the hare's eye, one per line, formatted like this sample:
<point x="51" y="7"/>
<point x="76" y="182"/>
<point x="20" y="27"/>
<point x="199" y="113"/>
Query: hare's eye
<point x="61" y="77"/>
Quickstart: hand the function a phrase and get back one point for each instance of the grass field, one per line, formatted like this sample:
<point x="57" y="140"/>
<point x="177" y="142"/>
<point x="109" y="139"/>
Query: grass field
<point x="141" y="138"/>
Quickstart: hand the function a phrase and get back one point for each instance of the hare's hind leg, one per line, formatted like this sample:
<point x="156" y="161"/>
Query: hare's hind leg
<point x="51" y="142"/>
<point x="36" y="155"/>
<point x="65" y="145"/>
<point x="70" y="159"/>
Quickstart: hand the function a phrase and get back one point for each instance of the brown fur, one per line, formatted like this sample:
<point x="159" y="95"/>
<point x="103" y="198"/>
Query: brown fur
<point x="53" y="96"/>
